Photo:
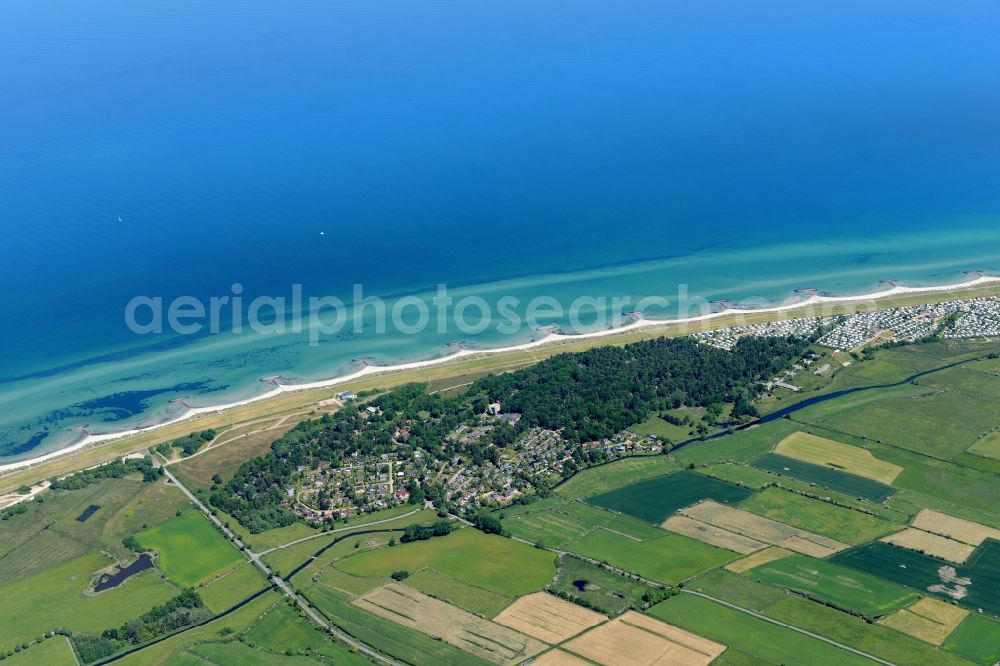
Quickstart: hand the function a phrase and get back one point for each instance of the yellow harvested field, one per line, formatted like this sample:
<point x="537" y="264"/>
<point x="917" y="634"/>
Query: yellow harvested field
<point x="932" y="544"/>
<point x="769" y="554"/>
<point x="959" y="529"/>
<point x="837" y="455"/>
<point x="711" y="534"/>
<point x="763" y="529"/>
<point x="485" y="639"/>
<point x="639" y="640"/>
<point x="559" y="658"/>
<point x="548" y="618"/>
<point x="929" y="620"/>
<point x="987" y="447"/>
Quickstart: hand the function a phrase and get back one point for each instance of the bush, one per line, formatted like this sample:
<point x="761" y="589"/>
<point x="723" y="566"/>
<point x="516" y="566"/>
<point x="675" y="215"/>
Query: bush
<point x="424" y="532"/>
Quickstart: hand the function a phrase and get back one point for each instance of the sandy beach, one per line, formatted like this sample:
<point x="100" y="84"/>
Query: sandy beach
<point x="640" y="323"/>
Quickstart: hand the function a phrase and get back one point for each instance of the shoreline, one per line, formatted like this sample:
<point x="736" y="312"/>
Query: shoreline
<point x="551" y="338"/>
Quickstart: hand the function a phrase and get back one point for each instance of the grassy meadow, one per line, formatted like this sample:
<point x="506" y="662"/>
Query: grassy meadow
<point x="670" y="559"/>
<point x="851" y="590"/>
<point x="190" y="549"/>
<point x="500" y="565"/>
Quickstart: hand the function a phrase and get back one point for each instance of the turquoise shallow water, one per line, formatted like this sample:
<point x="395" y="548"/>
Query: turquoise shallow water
<point x="504" y="149"/>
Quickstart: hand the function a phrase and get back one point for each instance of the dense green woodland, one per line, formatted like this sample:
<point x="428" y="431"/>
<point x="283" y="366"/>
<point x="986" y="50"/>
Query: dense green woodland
<point x="586" y="395"/>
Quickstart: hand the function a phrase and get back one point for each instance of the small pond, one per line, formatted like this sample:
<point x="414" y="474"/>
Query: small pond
<point x="108" y="581"/>
<point x="87" y="513"/>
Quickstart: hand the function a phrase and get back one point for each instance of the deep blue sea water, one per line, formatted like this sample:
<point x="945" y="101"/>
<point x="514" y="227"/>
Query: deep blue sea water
<point x="542" y="148"/>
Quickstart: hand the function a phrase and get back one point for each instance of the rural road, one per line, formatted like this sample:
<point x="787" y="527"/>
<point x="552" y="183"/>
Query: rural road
<point x="340" y="529"/>
<point x="285" y="587"/>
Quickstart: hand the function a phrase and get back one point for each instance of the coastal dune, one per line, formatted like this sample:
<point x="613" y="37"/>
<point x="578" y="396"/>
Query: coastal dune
<point x="550" y="339"/>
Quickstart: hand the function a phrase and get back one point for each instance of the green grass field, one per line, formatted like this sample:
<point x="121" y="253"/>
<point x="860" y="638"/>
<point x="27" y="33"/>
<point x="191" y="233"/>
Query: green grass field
<point x="613" y="475"/>
<point x="977" y="638"/>
<point x="232" y="587"/>
<point x="345" y="548"/>
<point x="734" y="657"/>
<point x="938" y="423"/>
<point x="608" y="591"/>
<point x="283" y="628"/>
<point x="55" y="651"/>
<point x="57" y="598"/>
<point x="850" y="589"/>
<point x="191" y="550"/>
<point x="670" y="559"/>
<point x="739" y="447"/>
<point x="874" y="639"/>
<point x="984" y="463"/>
<point x="654" y="500"/>
<point x="940" y="485"/>
<point x="235" y="652"/>
<point x="473" y="599"/>
<point x="817" y="516"/>
<point x="738" y="589"/>
<point x="504" y="566"/>
<point x="347" y="583"/>
<point x="842" y="482"/>
<point x="965" y="380"/>
<point x="920" y="571"/>
<point x="174" y="650"/>
<point x="284" y="560"/>
<point x="654" y="425"/>
<point x="556" y="524"/>
<point x="751" y="635"/>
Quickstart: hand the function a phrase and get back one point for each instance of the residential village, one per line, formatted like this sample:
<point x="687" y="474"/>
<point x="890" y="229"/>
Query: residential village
<point x="360" y="484"/>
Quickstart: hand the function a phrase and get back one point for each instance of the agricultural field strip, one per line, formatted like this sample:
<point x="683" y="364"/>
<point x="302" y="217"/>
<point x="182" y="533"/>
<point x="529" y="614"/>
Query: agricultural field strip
<point x="636" y="638"/>
<point x="932" y="544"/>
<point x="656" y="499"/>
<point x="763" y="529"/>
<point x="837" y="455"/>
<point x="710" y="534"/>
<point x="485" y="639"/>
<point x="959" y="529"/>
<point x="574" y="519"/>
<point x="852" y="485"/>
<point x="548" y="618"/>
<point x="771" y="620"/>
<point x="929" y="620"/>
<point x="769" y="554"/>
<point x="848" y="589"/>
<point x="542" y="525"/>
